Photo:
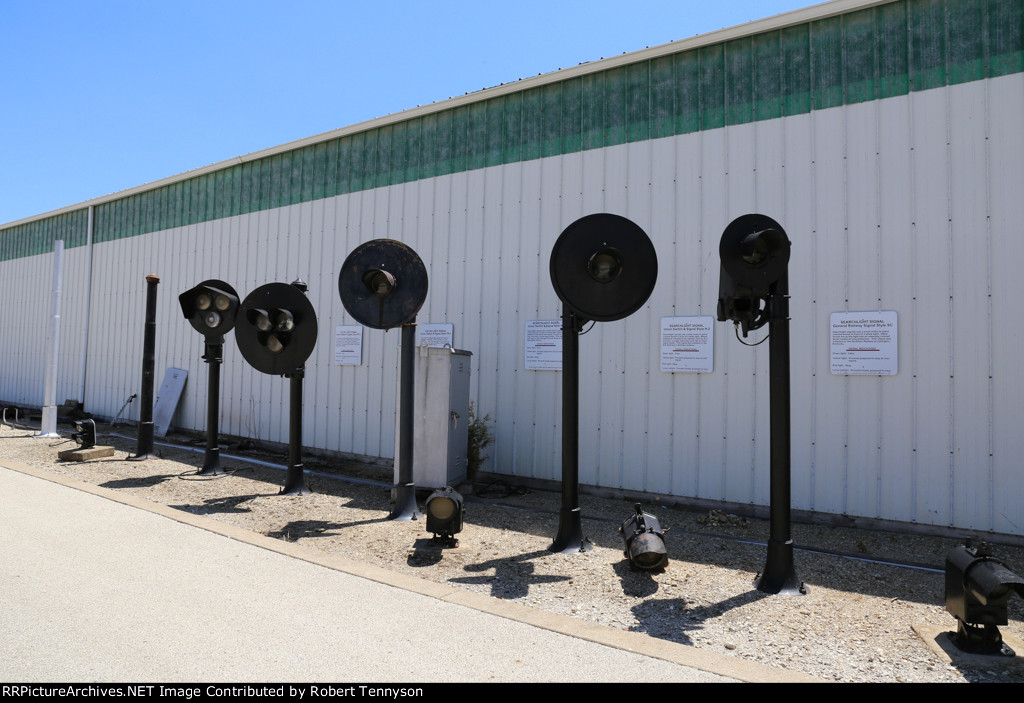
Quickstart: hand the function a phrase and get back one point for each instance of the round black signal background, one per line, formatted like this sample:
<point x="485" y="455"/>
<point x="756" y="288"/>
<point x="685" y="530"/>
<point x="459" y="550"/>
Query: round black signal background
<point x="410" y="291"/>
<point x="585" y="295"/>
<point x="303" y="336"/>
<point x="226" y="325"/>
<point x="758" y="277"/>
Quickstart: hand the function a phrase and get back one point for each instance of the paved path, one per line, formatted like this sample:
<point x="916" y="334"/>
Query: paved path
<point x="102" y="586"/>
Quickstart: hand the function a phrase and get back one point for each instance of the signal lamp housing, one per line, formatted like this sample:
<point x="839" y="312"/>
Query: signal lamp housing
<point x="645" y="540"/>
<point x="380" y="283"/>
<point x="754" y="252"/>
<point x="210" y="307"/>
<point x="603" y="267"/>
<point x="977" y="589"/>
<point x="383" y="284"/>
<point x="84" y="434"/>
<point x="273" y="327"/>
<point x="277" y="329"/>
<point x="445" y="515"/>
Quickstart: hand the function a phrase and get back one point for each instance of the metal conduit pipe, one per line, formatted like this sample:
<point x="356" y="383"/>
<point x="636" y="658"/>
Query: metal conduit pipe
<point x="268" y="464"/>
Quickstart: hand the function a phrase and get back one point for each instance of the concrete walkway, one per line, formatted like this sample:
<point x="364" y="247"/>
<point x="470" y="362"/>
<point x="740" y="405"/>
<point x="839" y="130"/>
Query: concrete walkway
<point x="102" y="586"/>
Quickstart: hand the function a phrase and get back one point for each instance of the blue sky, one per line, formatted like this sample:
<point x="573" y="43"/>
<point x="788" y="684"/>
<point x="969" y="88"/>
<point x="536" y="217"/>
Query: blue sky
<point x="96" y="97"/>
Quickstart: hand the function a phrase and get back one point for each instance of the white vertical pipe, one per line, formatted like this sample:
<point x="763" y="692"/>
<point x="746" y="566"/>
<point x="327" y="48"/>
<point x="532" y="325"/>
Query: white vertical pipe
<point x="48" y="428"/>
<point x="88" y="305"/>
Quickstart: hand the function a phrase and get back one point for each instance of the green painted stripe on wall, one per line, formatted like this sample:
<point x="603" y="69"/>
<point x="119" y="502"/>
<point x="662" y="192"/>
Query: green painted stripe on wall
<point x="37" y="237"/>
<point x="878" y="52"/>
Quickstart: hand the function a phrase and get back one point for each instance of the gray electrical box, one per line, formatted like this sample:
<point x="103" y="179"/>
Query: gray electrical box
<point x="440" y="417"/>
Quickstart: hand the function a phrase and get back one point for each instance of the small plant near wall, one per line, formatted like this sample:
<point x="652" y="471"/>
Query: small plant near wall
<point x="480" y="437"/>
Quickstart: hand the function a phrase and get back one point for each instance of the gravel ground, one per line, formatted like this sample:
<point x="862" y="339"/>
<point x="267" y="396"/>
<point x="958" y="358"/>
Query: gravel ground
<point x="863" y="619"/>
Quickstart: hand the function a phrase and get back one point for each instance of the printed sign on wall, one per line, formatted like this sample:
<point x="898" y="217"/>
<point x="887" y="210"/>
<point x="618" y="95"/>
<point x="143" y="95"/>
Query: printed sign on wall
<point x="863" y="343"/>
<point x="688" y="344"/>
<point x="435" y="334"/>
<point x="544" y="345"/>
<point x="348" y="345"/>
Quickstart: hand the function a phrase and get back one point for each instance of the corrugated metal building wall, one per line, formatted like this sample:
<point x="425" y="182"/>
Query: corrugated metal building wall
<point x="885" y="137"/>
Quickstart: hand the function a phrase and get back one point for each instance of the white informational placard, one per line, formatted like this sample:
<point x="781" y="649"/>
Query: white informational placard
<point x="348" y="345"/>
<point x="688" y="344"/>
<point x="863" y="343"/>
<point x="544" y="345"/>
<point x="435" y="334"/>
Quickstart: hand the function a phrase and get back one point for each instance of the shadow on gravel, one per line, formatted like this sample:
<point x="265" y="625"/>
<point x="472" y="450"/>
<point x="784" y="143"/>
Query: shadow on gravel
<point x="635" y="583"/>
<point x="425" y="553"/>
<point x="670" y="618"/>
<point x="301" y="529"/>
<point x="376" y="501"/>
<point x="230" y="504"/>
<point x="356" y="523"/>
<point x="512" y="576"/>
<point x="140" y="482"/>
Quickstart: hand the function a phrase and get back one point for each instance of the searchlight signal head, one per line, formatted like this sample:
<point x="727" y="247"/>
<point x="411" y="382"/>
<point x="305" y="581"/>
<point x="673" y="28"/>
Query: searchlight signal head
<point x="754" y="253"/>
<point x="603" y="267"/>
<point x="210" y="307"/>
<point x="383" y="284"/>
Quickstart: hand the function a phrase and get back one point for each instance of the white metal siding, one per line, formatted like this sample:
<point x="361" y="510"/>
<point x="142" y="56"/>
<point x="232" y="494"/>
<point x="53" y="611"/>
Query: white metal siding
<point x="910" y="204"/>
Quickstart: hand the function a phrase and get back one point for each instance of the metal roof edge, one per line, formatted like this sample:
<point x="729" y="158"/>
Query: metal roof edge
<point x="785" y="19"/>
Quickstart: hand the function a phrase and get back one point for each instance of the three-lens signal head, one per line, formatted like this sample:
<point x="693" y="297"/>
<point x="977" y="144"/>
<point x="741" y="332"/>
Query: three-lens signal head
<point x="210" y="307"/>
<point x="277" y="329"/>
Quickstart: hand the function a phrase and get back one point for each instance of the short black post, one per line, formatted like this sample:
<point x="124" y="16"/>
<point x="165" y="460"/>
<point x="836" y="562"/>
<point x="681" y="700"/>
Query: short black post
<point x="570" y="524"/>
<point x="295" y="478"/>
<point x="779" y="574"/>
<point x="405" y="489"/>
<point x="213" y="357"/>
<point x="144" y="443"/>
